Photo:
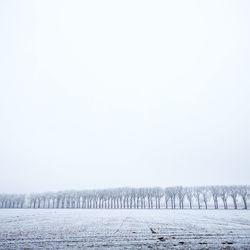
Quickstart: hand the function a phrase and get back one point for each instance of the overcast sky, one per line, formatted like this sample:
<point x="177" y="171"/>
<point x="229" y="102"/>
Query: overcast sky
<point x="97" y="94"/>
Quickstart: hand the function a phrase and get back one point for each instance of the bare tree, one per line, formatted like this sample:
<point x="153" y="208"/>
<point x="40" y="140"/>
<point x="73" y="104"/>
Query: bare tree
<point x="181" y="195"/>
<point x="166" y="196"/>
<point x="215" y="193"/>
<point x="243" y="192"/>
<point x="223" y="193"/>
<point x="233" y="192"/>
<point x="205" y="193"/>
<point x="197" y="195"/>
<point x="189" y="194"/>
<point x="173" y="194"/>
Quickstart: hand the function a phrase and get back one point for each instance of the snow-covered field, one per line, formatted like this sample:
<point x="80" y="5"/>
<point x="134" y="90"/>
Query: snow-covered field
<point x="124" y="229"/>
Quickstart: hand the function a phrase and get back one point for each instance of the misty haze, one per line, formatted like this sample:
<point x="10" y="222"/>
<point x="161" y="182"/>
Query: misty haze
<point x="124" y="124"/>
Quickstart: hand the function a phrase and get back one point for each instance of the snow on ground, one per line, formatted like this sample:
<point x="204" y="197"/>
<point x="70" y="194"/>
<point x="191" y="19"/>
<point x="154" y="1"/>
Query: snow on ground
<point x="124" y="229"/>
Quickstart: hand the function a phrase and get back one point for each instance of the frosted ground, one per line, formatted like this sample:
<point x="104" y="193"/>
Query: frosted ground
<point x="124" y="229"/>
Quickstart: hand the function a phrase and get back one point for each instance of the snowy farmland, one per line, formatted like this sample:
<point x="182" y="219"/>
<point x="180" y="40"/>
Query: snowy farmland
<point x="124" y="229"/>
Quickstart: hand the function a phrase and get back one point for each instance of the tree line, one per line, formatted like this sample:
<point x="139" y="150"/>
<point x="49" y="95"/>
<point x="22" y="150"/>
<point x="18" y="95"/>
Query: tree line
<point x="202" y="197"/>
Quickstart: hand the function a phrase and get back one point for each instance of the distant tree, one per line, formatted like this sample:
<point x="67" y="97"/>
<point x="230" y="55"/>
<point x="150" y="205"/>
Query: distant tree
<point x="233" y="192"/>
<point x="181" y="196"/>
<point x="205" y="194"/>
<point x="197" y="195"/>
<point x="166" y="196"/>
<point x="173" y="194"/>
<point x="223" y="193"/>
<point x="244" y="192"/>
<point x="215" y="193"/>
<point x="189" y="194"/>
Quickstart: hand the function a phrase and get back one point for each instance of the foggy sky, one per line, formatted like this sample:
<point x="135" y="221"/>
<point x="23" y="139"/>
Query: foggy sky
<point x="97" y="94"/>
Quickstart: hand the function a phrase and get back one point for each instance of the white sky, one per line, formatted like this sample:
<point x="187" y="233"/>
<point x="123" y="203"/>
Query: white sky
<point x="100" y="94"/>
